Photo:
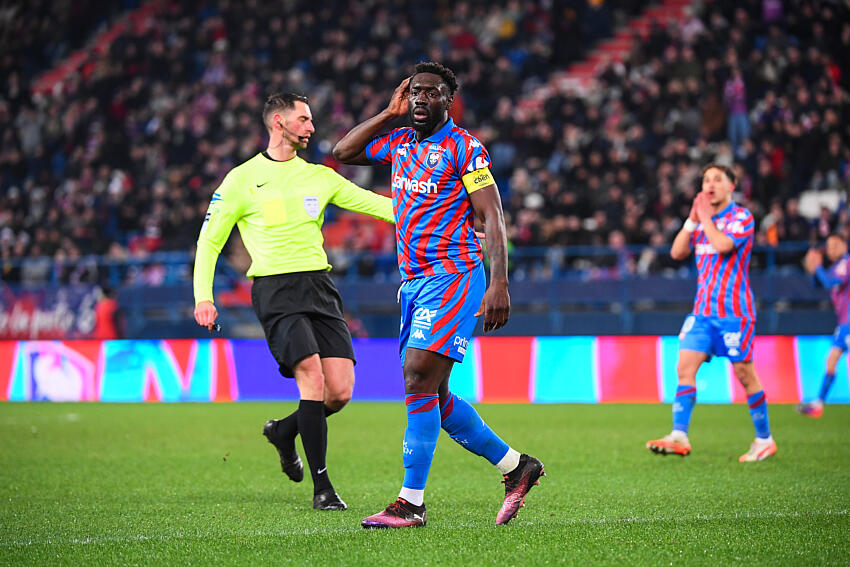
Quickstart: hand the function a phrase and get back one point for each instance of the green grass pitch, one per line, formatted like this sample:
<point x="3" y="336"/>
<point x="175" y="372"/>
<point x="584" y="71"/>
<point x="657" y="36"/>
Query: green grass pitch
<point x="197" y="484"/>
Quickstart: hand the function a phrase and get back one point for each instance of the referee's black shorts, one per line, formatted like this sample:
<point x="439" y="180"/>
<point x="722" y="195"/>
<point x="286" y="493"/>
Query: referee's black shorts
<point x="301" y="315"/>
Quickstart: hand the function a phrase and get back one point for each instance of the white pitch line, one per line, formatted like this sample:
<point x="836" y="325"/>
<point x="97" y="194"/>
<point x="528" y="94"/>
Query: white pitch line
<point x="349" y="529"/>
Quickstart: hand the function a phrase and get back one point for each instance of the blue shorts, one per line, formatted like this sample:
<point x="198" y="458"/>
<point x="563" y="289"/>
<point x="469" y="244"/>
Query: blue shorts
<point x="841" y="337"/>
<point x="438" y="312"/>
<point x="731" y="337"/>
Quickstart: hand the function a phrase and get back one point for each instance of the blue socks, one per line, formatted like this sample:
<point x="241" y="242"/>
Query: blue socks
<point x="420" y="438"/>
<point x="825" y="386"/>
<point x="461" y="422"/>
<point x="686" y="397"/>
<point x="464" y="425"/>
<point x="758" y="411"/>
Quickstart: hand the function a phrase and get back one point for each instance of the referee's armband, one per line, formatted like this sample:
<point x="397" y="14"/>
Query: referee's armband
<point x="478" y="179"/>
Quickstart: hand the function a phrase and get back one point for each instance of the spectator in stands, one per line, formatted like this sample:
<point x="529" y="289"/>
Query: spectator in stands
<point x="114" y="155"/>
<point x="735" y="98"/>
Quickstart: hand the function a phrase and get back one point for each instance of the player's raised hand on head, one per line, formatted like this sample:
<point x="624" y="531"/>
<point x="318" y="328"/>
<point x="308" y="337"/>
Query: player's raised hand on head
<point x="206" y="314"/>
<point x="496" y="307"/>
<point x="398" y="102"/>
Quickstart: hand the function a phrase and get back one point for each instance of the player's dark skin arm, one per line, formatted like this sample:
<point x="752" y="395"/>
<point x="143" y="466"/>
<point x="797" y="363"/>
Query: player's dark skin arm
<point x="351" y="148"/>
<point x="496" y="305"/>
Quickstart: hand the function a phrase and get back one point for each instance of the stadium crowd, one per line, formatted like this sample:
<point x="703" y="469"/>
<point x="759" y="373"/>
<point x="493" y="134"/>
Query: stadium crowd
<point x="121" y="158"/>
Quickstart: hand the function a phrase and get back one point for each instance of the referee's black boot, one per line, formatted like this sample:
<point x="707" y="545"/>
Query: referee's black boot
<point x="328" y="499"/>
<point x="290" y="462"/>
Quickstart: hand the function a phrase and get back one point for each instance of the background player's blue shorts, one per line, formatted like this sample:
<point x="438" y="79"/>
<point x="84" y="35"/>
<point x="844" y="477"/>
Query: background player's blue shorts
<point x="438" y="312"/>
<point x="731" y="337"/>
<point x="841" y="337"/>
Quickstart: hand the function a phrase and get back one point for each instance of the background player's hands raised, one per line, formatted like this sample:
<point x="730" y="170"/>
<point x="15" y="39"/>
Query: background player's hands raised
<point x="398" y="102"/>
<point x="813" y="260"/>
<point x="206" y="314"/>
<point x="693" y="214"/>
<point x="703" y="208"/>
<point x="496" y="306"/>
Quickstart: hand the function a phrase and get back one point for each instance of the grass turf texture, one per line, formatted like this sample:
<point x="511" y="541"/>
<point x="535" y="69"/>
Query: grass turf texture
<point x="155" y="484"/>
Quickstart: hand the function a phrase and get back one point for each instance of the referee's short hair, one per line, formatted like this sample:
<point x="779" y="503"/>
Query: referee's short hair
<point x="278" y="102"/>
<point x="724" y="168"/>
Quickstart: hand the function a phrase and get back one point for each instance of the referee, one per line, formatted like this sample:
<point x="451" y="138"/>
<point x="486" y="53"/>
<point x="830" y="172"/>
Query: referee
<point x="277" y="200"/>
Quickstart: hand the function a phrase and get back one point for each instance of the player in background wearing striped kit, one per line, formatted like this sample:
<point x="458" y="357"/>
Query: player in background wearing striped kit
<point x="723" y="321"/>
<point x="441" y="183"/>
<point x="837" y="281"/>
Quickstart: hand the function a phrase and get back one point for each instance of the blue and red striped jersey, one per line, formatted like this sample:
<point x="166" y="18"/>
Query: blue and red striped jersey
<point x="837" y="281"/>
<point x="723" y="280"/>
<point x="433" y="213"/>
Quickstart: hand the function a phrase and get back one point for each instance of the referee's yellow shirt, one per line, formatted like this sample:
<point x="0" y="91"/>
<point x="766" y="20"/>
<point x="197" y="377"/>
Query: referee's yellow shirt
<point x="279" y="208"/>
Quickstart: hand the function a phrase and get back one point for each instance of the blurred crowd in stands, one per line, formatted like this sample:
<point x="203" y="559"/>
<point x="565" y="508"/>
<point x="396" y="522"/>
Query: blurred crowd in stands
<point x="121" y="158"/>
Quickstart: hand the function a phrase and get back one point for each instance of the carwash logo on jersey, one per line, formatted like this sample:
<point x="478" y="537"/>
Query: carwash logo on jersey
<point x="414" y="185"/>
<point x="495" y="369"/>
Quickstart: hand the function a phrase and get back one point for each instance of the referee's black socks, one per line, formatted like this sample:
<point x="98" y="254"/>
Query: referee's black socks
<point x="287" y="428"/>
<point x="313" y="428"/>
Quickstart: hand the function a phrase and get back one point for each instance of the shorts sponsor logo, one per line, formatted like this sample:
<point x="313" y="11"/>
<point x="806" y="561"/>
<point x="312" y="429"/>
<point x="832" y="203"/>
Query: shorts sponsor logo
<point x="461" y="343"/>
<point x="311" y="205"/>
<point x="423" y="318"/>
<point x="732" y="342"/>
<point x="687" y="326"/>
<point x="415" y="186"/>
<point x="418" y="334"/>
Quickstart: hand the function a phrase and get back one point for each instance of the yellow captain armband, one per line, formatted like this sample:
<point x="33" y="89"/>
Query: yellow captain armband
<point x="478" y="179"/>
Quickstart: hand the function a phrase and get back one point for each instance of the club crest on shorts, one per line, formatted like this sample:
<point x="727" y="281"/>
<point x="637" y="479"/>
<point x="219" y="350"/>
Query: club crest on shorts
<point x="423" y="317"/>
<point x="434" y="158"/>
<point x="733" y="343"/>
<point x="311" y="205"/>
